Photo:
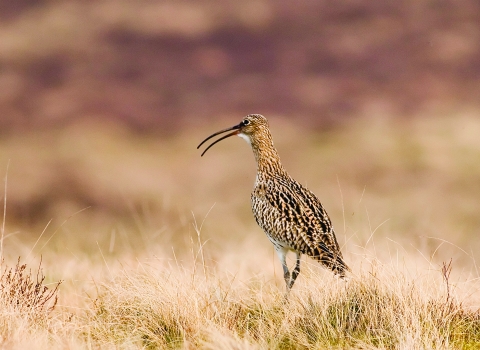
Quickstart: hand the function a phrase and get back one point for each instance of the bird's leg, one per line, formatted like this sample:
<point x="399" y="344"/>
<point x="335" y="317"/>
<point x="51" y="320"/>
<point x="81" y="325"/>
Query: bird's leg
<point x="282" y="255"/>
<point x="295" y="271"/>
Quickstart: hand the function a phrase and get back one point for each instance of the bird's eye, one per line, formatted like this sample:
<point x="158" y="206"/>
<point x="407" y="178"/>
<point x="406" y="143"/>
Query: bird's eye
<point x="246" y="122"/>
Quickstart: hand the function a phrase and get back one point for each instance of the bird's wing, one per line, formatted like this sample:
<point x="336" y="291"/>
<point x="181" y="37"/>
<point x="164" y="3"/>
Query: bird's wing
<point x="305" y="215"/>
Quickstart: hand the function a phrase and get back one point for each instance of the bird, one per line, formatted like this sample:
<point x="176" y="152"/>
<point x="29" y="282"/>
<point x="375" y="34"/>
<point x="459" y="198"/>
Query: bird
<point x="291" y="215"/>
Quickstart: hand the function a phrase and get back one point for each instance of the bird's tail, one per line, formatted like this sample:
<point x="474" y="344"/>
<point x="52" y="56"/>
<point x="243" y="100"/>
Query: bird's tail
<point x="332" y="260"/>
<point x="339" y="267"/>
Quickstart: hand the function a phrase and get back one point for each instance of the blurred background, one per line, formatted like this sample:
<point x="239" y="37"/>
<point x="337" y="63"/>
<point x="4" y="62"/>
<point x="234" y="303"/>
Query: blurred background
<point x="373" y="105"/>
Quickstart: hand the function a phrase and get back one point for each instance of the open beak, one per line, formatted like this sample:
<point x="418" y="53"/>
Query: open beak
<point x="236" y="131"/>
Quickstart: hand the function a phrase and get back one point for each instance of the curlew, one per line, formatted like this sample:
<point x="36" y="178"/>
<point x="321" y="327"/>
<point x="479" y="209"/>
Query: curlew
<point x="291" y="215"/>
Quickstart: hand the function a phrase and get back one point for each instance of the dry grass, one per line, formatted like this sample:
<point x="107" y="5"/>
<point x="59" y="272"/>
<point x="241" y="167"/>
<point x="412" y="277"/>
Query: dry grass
<point x="25" y="301"/>
<point x="25" y="292"/>
<point x="139" y="271"/>
<point x="382" y="308"/>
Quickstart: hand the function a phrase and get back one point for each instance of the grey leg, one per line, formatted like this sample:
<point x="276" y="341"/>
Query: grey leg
<point x="282" y="255"/>
<point x="295" y="271"/>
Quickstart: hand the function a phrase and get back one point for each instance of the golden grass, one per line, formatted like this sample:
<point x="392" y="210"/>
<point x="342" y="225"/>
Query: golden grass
<point x="152" y="306"/>
<point x="168" y="255"/>
<point x="382" y="308"/>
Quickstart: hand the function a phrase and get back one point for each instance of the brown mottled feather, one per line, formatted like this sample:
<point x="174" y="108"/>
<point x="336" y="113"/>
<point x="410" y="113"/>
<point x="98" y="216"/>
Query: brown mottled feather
<point x="291" y="215"/>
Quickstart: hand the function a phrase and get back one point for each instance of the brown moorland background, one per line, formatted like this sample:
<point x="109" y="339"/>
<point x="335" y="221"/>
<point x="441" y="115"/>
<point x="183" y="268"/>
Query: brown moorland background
<point x="160" y="64"/>
<point x="373" y="106"/>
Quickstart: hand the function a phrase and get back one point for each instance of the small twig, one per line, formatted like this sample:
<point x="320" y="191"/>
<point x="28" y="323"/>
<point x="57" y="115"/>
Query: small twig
<point x="198" y="230"/>
<point x="4" y="214"/>
<point x="446" y="270"/>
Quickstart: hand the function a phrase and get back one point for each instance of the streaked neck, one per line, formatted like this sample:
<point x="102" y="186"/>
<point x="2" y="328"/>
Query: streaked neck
<point x="266" y="155"/>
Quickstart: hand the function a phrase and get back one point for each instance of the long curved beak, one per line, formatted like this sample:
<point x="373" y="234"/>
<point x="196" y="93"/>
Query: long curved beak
<point x="236" y="131"/>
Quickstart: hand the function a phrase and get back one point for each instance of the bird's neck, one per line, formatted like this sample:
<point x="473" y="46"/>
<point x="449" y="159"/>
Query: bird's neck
<point x="268" y="160"/>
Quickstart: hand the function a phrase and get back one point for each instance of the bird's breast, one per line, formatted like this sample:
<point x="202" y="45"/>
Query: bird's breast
<point x="259" y="191"/>
<point x="266" y="215"/>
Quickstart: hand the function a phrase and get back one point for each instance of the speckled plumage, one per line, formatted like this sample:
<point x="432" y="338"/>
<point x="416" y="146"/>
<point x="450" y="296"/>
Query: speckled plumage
<point x="291" y="215"/>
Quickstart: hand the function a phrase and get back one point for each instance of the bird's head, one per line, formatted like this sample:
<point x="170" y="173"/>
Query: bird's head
<point x="251" y="128"/>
